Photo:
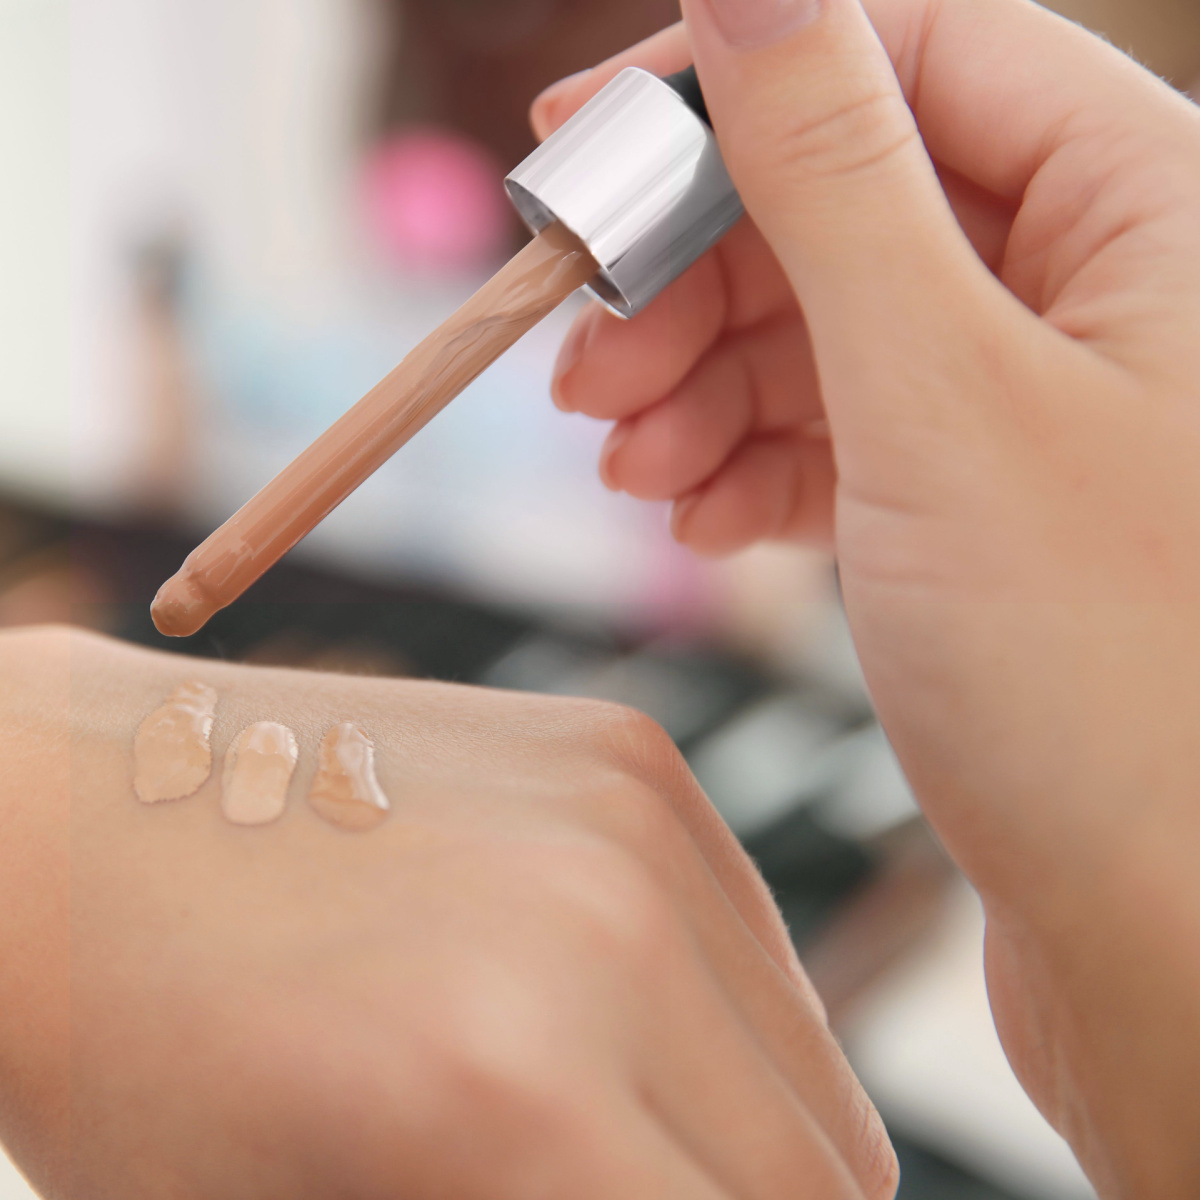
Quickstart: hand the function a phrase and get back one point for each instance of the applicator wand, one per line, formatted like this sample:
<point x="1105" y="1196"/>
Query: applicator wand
<point x="624" y="197"/>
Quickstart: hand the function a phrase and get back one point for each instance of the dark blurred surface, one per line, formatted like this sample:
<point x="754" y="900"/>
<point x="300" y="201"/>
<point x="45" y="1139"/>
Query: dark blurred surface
<point x="926" y="1176"/>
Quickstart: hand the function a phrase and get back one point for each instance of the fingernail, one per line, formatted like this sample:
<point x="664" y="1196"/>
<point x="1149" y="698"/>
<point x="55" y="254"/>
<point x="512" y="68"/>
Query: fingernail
<point x="616" y="439"/>
<point x="548" y="98"/>
<point x="569" y="357"/>
<point x="751" y="23"/>
<point x="565" y="82"/>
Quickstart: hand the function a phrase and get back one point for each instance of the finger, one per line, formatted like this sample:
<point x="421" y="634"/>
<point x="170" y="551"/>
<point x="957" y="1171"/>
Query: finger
<point x="986" y="219"/>
<point x="998" y="87"/>
<point x="610" y="368"/>
<point x="880" y="236"/>
<point x="1076" y="133"/>
<point x="803" y="1051"/>
<point x="761" y="380"/>
<point x="966" y="66"/>
<point x="827" y="157"/>
<point x="664" y="53"/>
<point x="775" y="486"/>
<point x="790" y="1031"/>
<point x="676" y="836"/>
<point x="715" y="1089"/>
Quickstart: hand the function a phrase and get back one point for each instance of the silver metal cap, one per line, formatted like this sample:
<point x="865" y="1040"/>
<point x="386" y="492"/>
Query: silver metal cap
<point x="637" y="176"/>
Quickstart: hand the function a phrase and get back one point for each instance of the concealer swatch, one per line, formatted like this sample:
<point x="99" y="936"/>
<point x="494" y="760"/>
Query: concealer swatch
<point x="172" y="753"/>
<point x="258" y="768"/>
<point x="345" y="791"/>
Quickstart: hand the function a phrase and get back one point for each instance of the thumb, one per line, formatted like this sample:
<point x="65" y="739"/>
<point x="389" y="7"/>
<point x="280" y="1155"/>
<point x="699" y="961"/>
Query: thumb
<point x="826" y="154"/>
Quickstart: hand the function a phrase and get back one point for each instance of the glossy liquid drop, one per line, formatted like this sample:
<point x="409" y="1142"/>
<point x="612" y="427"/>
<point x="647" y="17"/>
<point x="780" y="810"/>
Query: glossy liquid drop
<point x="345" y="791"/>
<point x="172" y="753"/>
<point x="258" y="769"/>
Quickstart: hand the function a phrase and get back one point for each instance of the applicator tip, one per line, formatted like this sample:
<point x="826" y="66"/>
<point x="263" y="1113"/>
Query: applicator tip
<point x="181" y="607"/>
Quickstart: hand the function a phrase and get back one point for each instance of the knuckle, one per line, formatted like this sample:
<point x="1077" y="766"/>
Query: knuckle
<point x="639" y="922"/>
<point x="643" y="797"/>
<point x="620" y="912"/>
<point x="637" y="744"/>
<point x="620" y="724"/>
<point x="482" y="1077"/>
<point x="848" y="138"/>
<point x="517" y="1116"/>
<point x="484" y="1062"/>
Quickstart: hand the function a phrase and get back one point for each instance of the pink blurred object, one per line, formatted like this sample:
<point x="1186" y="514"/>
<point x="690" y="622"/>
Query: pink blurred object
<point x="435" y="200"/>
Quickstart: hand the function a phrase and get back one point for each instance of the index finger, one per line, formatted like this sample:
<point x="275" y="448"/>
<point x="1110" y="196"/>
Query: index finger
<point x="664" y="53"/>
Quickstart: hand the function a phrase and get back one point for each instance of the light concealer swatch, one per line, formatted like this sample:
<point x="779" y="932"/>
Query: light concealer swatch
<point x="258" y="768"/>
<point x="172" y="749"/>
<point x="345" y="790"/>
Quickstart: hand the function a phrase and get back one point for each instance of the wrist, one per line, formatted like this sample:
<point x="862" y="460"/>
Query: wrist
<point x="35" y="1032"/>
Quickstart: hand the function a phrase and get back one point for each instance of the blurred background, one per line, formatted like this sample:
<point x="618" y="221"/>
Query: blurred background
<point x="221" y="221"/>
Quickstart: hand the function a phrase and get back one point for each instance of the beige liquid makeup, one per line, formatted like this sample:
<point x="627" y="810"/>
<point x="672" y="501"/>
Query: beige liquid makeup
<point x="517" y="297"/>
<point x="623" y="198"/>
<point x="258" y="769"/>
<point x="345" y="791"/>
<point x="172" y="750"/>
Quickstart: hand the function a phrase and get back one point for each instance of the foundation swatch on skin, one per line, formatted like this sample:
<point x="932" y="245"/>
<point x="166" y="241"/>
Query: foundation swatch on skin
<point x="258" y="768"/>
<point x="172" y="750"/>
<point x="345" y="791"/>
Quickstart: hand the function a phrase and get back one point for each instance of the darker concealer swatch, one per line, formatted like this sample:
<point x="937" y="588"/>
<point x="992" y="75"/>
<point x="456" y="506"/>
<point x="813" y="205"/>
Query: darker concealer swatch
<point x="345" y="790"/>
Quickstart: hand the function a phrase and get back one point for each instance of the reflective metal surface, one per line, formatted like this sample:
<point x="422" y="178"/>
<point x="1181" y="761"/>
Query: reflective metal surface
<point x="638" y="177"/>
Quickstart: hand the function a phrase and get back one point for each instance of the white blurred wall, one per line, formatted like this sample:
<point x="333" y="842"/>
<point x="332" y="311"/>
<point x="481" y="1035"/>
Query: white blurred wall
<point x="229" y="122"/>
<point x="34" y="358"/>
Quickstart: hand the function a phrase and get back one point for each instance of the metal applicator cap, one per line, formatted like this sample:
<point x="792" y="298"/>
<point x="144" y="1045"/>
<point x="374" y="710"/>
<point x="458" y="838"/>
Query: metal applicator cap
<point x="637" y="176"/>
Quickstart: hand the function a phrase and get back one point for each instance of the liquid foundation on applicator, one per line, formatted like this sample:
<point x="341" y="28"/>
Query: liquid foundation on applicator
<point x="625" y="196"/>
<point x="511" y="303"/>
<point x="258" y="769"/>
<point x="345" y="790"/>
<point x="172" y="749"/>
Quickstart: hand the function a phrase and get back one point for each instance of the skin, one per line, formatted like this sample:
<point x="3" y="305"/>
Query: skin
<point x="193" y="1010"/>
<point x="551" y="972"/>
<point x="956" y="340"/>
